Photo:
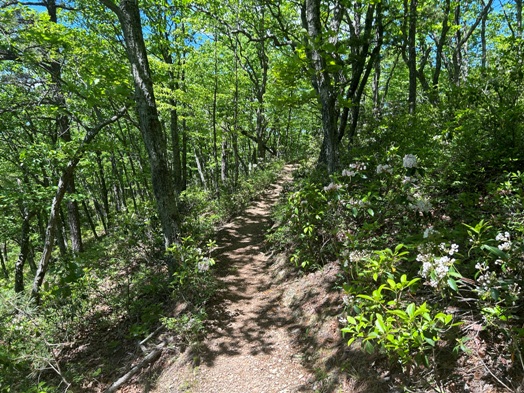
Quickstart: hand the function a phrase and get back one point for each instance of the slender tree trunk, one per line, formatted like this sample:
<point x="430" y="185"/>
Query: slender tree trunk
<point x="128" y="181"/>
<point x="64" y="132"/>
<point x="223" y="163"/>
<point x="24" y="250"/>
<point x="322" y="82"/>
<point x="104" y="191"/>
<point x="184" y="155"/>
<point x="214" y="115"/>
<point x="200" y="170"/>
<point x="51" y="229"/>
<point x="90" y="219"/>
<point x="412" y="56"/>
<point x="4" y="268"/>
<point x="128" y="14"/>
<point x="61" y="233"/>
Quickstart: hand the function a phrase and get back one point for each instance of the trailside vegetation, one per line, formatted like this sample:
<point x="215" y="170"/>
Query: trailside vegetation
<point x="132" y="129"/>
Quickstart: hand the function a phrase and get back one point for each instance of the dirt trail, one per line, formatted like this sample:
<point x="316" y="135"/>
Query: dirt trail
<point x="250" y="345"/>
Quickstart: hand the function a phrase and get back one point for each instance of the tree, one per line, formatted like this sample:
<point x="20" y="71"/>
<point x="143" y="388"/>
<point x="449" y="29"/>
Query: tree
<point x="128" y="14"/>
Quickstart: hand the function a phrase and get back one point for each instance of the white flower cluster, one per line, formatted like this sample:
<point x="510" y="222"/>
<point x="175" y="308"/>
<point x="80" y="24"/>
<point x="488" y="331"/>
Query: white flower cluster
<point x="409" y="161"/>
<point x="204" y="264"/>
<point x="332" y="187"/>
<point x="354" y="256"/>
<point x="434" y="268"/>
<point x="505" y="242"/>
<point x="409" y="180"/>
<point x="353" y="169"/>
<point x="348" y="299"/>
<point x="452" y="249"/>
<point x="384" y="168"/>
<point x="348" y="173"/>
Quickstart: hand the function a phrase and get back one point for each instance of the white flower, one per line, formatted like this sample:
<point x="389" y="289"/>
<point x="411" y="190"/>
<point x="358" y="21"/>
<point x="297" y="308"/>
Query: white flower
<point x="384" y="168"/>
<point x="502" y="237"/>
<point x="480" y="266"/>
<point x="426" y="269"/>
<point x="504" y="246"/>
<point x="332" y="187"/>
<point x="409" y="161"/>
<point x="454" y="249"/>
<point x="204" y="265"/>
<point x="347" y="173"/>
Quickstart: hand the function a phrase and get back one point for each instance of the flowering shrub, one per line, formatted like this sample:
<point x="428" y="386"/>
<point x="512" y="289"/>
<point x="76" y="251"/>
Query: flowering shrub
<point x="409" y="161"/>
<point x="439" y="271"/>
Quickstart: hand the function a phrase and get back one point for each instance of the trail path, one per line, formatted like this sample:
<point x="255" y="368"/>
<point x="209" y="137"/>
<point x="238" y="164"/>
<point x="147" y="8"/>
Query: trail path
<point x="250" y="344"/>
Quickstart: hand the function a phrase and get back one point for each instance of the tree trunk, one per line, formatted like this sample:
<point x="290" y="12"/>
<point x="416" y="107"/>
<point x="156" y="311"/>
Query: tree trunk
<point x="223" y="163"/>
<point x="412" y="56"/>
<point x="4" y="268"/>
<point x="24" y="251"/>
<point x="128" y="14"/>
<point x="322" y="82"/>
<point x="64" y="132"/>
<point x="89" y="219"/>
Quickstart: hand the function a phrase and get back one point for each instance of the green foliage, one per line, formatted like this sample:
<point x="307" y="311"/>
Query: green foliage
<point x="192" y="278"/>
<point x="189" y="326"/>
<point x="384" y="319"/>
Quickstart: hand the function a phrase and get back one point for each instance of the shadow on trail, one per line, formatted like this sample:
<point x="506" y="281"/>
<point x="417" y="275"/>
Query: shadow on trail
<point x="246" y="308"/>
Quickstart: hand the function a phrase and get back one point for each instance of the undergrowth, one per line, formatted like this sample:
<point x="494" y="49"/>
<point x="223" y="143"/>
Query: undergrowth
<point x="96" y="306"/>
<point x="421" y="262"/>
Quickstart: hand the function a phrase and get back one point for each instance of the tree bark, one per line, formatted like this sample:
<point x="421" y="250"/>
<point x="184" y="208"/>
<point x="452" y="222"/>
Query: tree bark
<point x="24" y="250"/>
<point x="4" y="268"/>
<point x="64" y="132"/>
<point x="322" y="83"/>
<point x="412" y="56"/>
<point x="128" y="15"/>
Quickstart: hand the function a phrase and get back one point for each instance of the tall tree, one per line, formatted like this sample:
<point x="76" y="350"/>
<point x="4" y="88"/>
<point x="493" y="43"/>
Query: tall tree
<point x="128" y="14"/>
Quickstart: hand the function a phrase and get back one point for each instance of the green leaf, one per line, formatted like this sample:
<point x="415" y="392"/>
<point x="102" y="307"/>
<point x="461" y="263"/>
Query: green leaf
<point x="368" y="347"/>
<point x="410" y="310"/>
<point x="452" y="284"/>
<point x="495" y="251"/>
<point x="371" y="212"/>
<point x="379" y="323"/>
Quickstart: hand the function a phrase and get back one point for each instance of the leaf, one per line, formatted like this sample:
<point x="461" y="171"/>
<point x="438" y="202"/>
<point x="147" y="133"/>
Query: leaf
<point x="495" y="251"/>
<point x="452" y="284"/>
<point x="368" y="347"/>
<point x="399" y="313"/>
<point x="371" y="212"/>
<point x="410" y="310"/>
<point x="379" y="323"/>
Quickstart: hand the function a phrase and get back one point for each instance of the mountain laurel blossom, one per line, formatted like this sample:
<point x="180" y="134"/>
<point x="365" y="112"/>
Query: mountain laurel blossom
<point x="384" y="168"/>
<point x="429" y="231"/>
<point x="436" y="269"/>
<point x="409" y="161"/>
<point x="504" y="238"/>
<point x="347" y="173"/>
<point x="332" y="187"/>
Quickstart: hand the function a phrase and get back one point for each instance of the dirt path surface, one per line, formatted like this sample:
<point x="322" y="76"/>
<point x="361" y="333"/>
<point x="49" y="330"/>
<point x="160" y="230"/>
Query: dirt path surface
<point x="251" y="344"/>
